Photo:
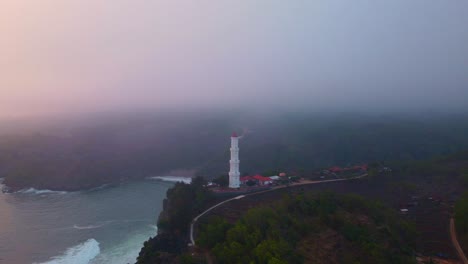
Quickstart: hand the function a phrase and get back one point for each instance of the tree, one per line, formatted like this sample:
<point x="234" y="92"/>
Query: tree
<point x="281" y="232"/>
<point x="272" y="250"/>
<point x="222" y="180"/>
<point x="213" y="233"/>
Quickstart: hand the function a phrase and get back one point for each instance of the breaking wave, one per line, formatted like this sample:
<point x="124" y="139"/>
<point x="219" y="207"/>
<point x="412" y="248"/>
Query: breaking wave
<point x="80" y="254"/>
<point x="172" y="179"/>
<point x="35" y="191"/>
<point x="126" y="250"/>
<point x="104" y="186"/>
<point x="88" y="226"/>
<point x="103" y="223"/>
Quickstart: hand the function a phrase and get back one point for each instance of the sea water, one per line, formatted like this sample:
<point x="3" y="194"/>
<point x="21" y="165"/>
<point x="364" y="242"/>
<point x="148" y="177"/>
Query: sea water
<point x="104" y="225"/>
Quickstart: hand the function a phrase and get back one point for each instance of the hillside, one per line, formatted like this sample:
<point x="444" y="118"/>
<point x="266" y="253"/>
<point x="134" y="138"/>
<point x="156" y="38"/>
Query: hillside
<point x="113" y="149"/>
<point x="312" y="228"/>
<point x="428" y="193"/>
<point x="182" y="203"/>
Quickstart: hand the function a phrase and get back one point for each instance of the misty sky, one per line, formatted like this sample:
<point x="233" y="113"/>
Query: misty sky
<point x="88" y="55"/>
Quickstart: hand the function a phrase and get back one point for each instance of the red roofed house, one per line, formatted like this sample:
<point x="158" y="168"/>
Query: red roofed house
<point x="259" y="179"/>
<point x="335" y="169"/>
<point x="263" y="180"/>
<point x="245" y="179"/>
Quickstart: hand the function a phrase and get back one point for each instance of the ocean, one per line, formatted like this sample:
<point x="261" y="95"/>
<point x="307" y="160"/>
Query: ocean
<point x="103" y="225"/>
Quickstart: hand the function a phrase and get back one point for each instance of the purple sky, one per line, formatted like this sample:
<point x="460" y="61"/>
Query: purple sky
<point x="87" y="55"/>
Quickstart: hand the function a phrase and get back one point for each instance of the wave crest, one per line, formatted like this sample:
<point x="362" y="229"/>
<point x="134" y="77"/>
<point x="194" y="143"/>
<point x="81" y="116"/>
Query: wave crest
<point x="79" y="254"/>
<point x="172" y="179"/>
<point x="36" y="191"/>
<point x="87" y="227"/>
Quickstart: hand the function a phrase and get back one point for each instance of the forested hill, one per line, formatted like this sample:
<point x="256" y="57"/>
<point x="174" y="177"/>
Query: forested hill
<point x="308" y="142"/>
<point x="312" y="228"/>
<point x="103" y="150"/>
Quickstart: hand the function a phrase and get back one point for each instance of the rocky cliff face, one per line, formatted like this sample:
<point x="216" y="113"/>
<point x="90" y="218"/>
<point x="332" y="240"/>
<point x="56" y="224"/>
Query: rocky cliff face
<point x="183" y="202"/>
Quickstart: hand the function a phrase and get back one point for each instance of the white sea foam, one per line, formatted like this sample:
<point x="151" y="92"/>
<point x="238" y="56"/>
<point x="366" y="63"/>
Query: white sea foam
<point x="88" y="226"/>
<point x="103" y="223"/>
<point x="83" y="253"/>
<point x="104" y="186"/>
<point x="35" y="191"/>
<point x="172" y="179"/>
<point x="127" y="250"/>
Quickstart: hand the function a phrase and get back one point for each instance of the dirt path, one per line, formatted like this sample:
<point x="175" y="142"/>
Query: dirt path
<point x="453" y="235"/>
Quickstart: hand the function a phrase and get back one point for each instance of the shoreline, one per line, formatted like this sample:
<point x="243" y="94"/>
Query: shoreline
<point x="5" y="188"/>
<point x="18" y="188"/>
<point x="10" y="186"/>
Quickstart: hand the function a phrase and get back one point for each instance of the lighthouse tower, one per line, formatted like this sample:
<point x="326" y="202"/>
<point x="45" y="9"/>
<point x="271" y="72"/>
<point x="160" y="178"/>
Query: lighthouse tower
<point x="234" y="162"/>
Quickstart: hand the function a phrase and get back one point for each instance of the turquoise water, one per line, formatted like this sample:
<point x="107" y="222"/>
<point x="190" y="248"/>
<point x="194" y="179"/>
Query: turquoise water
<point x="106" y="225"/>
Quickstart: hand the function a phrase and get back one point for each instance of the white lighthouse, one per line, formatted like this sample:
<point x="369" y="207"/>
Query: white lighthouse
<point x="234" y="162"/>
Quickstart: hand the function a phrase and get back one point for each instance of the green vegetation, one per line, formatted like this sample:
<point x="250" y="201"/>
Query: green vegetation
<point x="222" y="180"/>
<point x="183" y="202"/>
<point x="331" y="228"/>
<point x="443" y="175"/>
<point x="322" y="228"/>
<point x="305" y="142"/>
<point x="438" y="165"/>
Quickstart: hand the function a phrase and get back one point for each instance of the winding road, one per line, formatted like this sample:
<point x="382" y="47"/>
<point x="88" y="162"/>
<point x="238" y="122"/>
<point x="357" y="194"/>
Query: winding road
<point x="453" y="235"/>
<point x="194" y="221"/>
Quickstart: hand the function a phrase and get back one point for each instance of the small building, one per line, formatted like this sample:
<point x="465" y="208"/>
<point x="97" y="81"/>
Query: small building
<point x="245" y="179"/>
<point x="263" y="180"/>
<point x="258" y="179"/>
<point x="335" y="169"/>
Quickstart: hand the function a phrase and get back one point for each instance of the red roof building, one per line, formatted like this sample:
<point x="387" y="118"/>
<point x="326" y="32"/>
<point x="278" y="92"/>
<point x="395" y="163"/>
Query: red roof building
<point x="335" y="169"/>
<point x="259" y="179"/>
<point x="246" y="178"/>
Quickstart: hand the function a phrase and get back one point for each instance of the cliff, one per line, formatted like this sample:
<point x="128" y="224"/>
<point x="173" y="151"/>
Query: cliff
<point x="182" y="203"/>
